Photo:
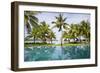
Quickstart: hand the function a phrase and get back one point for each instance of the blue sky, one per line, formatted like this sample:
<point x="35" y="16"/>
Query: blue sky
<point x="71" y="17"/>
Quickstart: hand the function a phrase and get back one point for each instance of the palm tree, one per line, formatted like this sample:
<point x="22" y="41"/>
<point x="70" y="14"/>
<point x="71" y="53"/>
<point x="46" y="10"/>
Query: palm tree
<point x="85" y="29"/>
<point x="44" y="31"/>
<point x="74" y="30"/>
<point x="30" y="20"/>
<point x="51" y="35"/>
<point x="60" y="23"/>
<point x="66" y="36"/>
<point x="35" y="33"/>
<point x="73" y="33"/>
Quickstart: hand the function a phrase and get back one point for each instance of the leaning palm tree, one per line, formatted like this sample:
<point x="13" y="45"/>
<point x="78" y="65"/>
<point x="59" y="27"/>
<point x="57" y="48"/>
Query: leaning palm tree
<point x="60" y="24"/>
<point x="30" y="20"/>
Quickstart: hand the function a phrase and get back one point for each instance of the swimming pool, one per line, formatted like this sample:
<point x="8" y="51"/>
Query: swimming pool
<point x="46" y="53"/>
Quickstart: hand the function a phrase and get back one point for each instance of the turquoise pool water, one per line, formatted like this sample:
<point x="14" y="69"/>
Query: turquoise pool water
<point x="44" y="53"/>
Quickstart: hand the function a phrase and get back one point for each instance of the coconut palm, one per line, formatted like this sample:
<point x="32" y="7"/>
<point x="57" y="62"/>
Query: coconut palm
<point x="85" y="29"/>
<point x="35" y="33"/>
<point x="66" y="36"/>
<point x="74" y="30"/>
<point x="51" y="35"/>
<point x="60" y="24"/>
<point x="44" y="31"/>
<point x="30" y="20"/>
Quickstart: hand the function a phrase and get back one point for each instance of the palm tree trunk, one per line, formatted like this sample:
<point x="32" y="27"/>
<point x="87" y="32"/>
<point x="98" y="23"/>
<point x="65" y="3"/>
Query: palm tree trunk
<point x="51" y="41"/>
<point x="44" y="39"/>
<point x="61" y="39"/>
<point x="34" y="39"/>
<point x="61" y="42"/>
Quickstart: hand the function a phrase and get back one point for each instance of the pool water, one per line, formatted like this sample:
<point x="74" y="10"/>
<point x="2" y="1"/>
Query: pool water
<point x="46" y="53"/>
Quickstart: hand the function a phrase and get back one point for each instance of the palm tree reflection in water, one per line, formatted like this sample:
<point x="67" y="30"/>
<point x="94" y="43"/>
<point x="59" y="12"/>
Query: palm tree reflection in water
<point x="45" y="53"/>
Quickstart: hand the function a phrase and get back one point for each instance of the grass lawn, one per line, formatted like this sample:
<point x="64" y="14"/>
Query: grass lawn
<point x="48" y="44"/>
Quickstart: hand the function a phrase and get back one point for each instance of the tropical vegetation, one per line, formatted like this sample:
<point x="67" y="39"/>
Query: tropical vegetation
<point x="41" y="32"/>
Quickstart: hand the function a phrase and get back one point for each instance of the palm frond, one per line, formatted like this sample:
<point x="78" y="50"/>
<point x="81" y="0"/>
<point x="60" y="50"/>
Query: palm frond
<point x="64" y="19"/>
<point x="34" y="22"/>
<point x="28" y="27"/>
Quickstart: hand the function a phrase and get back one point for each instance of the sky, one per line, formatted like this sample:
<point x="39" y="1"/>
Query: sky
<point x="49" y="17"/>
<point x="71" y="17"/>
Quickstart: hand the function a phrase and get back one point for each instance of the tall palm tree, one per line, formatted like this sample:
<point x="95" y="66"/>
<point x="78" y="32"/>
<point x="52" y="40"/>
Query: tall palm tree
<point x="30" y="20"/>
<point x="60" y="24"/>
